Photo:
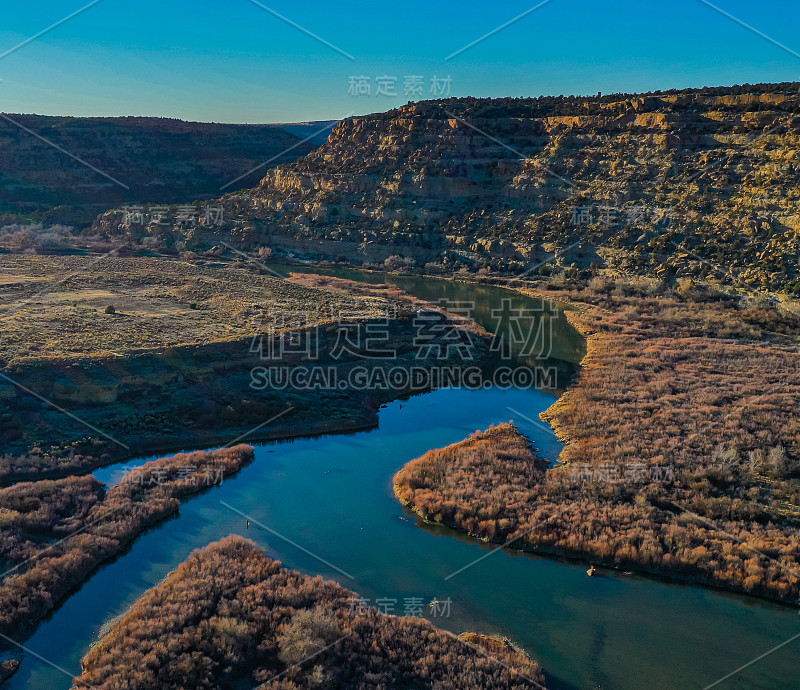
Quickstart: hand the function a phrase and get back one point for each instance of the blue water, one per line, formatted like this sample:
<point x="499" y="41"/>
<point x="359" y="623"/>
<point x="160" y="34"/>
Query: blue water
<point x="332" y="496"/>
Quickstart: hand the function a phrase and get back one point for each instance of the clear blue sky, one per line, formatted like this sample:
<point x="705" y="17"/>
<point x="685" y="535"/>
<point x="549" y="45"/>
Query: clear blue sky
<point x="232" y="61"/>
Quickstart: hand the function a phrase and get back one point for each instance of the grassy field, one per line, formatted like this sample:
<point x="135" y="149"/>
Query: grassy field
<point x="122" y="356"/>
<point x="55" y="306"/>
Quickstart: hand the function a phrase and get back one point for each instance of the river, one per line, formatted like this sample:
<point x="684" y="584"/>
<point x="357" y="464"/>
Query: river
<point x="332" y="496"/>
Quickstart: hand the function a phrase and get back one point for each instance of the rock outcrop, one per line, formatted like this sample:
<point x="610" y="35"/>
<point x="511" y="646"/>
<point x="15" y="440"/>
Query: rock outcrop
<point x="696" y="182"/>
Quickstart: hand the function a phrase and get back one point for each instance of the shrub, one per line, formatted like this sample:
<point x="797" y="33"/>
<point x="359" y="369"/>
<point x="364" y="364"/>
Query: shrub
<point x="684" y="403"/>
<point x="283" y="618"/>
<point x="36" y="513"/>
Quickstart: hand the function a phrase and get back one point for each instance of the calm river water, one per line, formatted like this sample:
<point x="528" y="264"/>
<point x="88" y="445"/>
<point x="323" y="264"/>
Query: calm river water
<point x="332" y="495"/>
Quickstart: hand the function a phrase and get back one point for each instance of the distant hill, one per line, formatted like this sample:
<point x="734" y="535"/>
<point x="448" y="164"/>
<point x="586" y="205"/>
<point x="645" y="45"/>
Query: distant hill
<point x="316" y="133"/>
<point x="160" y="161"/>
<point x="700" y="183"/>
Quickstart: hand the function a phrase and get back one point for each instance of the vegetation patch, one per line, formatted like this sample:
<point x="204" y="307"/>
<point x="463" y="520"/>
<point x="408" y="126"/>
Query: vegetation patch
<point x="480" y="485"/>
<point x="53" y="533"/>
<point x="231" y="617"/>
<point x="683" y="445"/>
<point x="178" y="362"/>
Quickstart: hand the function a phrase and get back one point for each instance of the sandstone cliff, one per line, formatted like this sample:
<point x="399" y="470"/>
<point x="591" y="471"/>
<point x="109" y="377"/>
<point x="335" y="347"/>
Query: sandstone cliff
<point x="697" y="182"/>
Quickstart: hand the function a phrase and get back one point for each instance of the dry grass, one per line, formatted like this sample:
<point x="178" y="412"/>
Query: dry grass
<point x="53" y="307"/>
<point x="174" y="365"/>
<point x="230" y="617"/>
<point x="683" y="453"/>
<point x="480" y="485"/>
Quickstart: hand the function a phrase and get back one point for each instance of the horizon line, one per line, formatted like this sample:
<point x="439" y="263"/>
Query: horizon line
<point x="598" y="94"/>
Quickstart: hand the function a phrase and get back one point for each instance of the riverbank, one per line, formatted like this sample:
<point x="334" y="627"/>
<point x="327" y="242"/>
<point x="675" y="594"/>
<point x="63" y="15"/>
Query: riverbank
<point x="67" y="414"/>
<point x="56" y="532"/>
<point x="229" y="615"/>
<point x="681" y="456"/>
<point x="13" y="469"/>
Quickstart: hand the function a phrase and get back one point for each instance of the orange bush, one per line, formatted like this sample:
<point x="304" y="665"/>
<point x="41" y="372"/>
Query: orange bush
<point x="32" y="514"/>
<point x="230" y="617"/>
<point x="685" y="405"/>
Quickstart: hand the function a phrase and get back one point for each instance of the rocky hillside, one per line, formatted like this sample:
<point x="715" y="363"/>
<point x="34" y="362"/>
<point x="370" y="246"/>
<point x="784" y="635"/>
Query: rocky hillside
<point x="695" y="182"/>
<point x="159" y="160"/>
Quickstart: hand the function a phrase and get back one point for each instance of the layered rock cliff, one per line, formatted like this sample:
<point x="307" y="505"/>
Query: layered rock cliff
<point x="696" y="182"/>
